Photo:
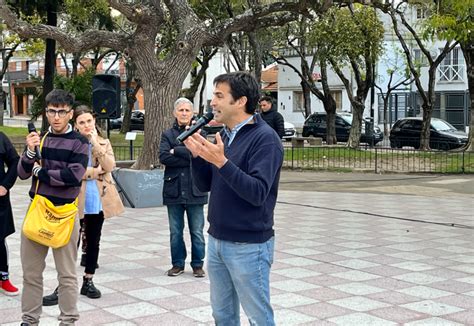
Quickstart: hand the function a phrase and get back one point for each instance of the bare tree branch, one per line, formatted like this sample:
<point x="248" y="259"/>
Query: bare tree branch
<point x="182" y="14"/>
<point x="7" y="58"/>
<point x="277" y="13"/>
<point x="137" y="13"/>
<point x="89" y="39"/>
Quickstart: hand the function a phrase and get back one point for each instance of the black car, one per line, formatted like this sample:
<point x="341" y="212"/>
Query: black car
<point x="137" y="121"/>
<point x="443" y="136"/>
<point x="315" y="125"/>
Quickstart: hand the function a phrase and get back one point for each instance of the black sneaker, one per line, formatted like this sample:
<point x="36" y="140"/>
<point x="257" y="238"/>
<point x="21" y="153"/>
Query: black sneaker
<point x="198" y="272"/>
<point x="52" y="299"/>
<point x="89" y="290"/>
<point x="175" y="271"/>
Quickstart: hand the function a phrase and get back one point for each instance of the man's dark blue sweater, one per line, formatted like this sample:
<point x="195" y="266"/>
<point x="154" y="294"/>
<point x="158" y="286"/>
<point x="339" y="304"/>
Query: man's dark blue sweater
<point x="244" y="191"/>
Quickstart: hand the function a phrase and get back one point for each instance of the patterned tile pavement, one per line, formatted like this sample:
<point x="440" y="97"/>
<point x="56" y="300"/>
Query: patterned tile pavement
<point x="342" y="258"/>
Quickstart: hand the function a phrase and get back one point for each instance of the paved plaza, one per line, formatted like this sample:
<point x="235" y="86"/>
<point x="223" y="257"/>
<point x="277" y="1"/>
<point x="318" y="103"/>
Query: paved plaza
<point x="381" y="252"/>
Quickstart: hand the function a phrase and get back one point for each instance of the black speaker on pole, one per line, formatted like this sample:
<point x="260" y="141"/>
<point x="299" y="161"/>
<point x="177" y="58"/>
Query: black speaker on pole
<point x="106" y="96"/>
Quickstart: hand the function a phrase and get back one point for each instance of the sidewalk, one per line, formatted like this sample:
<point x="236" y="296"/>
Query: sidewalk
<point x="345" y="255"/>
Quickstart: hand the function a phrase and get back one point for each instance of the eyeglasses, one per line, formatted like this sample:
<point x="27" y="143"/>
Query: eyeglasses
<point x="61" y="113"/>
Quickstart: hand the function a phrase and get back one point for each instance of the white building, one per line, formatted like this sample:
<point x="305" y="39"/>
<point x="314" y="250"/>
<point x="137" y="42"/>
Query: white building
<point x="451" y="85"/>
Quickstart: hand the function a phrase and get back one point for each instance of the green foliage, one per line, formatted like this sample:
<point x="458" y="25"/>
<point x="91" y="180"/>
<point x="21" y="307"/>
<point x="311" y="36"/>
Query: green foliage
<point x="452" y="20"/>
<point x="86" y="14"/>
<point x="31" y="47"/>
<point x="80" y="85"/>
<point x="343" y="36"/>
<point x="34" y="11"/>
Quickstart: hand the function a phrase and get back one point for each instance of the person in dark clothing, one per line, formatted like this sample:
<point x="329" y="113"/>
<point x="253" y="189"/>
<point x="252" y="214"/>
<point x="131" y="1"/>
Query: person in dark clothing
<point x="242" y="171"/>
<point x="181" y="195"/>
<point x="8" y="157"/>
<point x="271" y="116"/>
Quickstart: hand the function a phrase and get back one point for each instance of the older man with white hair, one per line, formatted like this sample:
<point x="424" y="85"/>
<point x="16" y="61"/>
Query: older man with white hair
<point x="180" y="195"/>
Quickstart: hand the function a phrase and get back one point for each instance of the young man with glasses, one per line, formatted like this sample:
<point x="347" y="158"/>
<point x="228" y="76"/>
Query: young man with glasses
<point x="59" y="173"/>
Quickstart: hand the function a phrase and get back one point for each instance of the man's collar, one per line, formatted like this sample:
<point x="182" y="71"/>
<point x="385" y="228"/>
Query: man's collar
<point x="69" y="129"/>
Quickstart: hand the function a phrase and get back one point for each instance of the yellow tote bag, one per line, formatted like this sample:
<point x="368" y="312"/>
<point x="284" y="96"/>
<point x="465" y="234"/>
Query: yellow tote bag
<point x="48" y="224"/>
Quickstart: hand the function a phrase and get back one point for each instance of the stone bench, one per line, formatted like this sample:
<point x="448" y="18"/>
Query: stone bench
<point x="299" y="141"/>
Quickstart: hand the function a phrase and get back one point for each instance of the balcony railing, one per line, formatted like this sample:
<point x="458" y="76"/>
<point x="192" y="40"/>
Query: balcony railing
<point x="16" y="76"/>
<point x="451" y="73"/>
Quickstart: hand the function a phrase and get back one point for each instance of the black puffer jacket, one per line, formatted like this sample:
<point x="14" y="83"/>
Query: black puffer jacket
<point x="274" y="120"/>
<point x="8" y="157"/>
<point x="178" y="186"/>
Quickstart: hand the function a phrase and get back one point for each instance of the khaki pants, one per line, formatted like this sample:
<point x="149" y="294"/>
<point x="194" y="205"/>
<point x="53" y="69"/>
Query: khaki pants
<point x="33" y="262"/>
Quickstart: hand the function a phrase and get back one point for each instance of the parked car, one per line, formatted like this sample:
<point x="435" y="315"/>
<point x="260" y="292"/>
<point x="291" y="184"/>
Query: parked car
<point x="315" y="125"/>
<point x="137" y="121"/>
<point x="290" y="131"/>
<point x="443" y="136"/>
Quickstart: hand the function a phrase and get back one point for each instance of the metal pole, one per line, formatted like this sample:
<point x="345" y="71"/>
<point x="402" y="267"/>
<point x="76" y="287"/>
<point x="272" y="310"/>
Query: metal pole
<point x="131" y="149"/>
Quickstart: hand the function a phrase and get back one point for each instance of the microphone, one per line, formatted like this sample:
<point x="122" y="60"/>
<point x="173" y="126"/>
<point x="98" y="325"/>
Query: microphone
<point x="195" y="127"/>
<point x="32" y="128"/>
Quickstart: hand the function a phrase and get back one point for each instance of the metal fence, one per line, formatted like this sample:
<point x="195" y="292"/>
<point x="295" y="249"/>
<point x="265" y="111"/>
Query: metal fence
<point x="378" y="159"/>
<point x="341" y="158"/>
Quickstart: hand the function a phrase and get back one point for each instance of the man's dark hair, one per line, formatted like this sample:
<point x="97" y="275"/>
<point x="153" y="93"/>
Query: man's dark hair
<point x="266" y="98"/>
<point x="242" y="84"/>
<point x="59" y="97"/>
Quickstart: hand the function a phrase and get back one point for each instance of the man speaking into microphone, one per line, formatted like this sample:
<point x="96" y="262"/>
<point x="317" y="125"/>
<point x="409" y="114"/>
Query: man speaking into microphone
<point x="241" y="170"/>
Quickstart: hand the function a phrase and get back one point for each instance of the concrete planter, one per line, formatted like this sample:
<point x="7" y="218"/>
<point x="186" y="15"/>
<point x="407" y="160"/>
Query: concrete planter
<point x="140" y="188"/>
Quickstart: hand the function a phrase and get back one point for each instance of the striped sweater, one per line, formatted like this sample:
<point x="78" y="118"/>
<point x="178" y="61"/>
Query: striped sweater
<point x="64" y="162"/>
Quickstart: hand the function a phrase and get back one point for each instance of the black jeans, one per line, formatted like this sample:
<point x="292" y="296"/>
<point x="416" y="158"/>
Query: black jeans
<point x="92" y="228"/>
<point x="3" y="256"/>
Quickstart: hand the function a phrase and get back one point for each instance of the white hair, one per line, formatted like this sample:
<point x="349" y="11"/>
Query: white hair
<point x="182" y="100"/>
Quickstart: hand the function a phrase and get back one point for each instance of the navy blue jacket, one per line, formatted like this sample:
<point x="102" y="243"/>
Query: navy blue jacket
<point x="178" y="186"/>
<point x="244" y="191"/>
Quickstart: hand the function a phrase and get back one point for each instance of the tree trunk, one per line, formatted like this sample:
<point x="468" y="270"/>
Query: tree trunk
<point x="357" y="112"/>
<point x="257" y="55"/>
<point x="330" y="108"/>
<point x="49" y="64"/>
<point x="468" y="51"/>
<point x="425" y="127"/>
<point x="3" y="97"/>
<point x="307" y="98"/>
<point x="158" y="118"/>
<point x="202" y="105"/>
<point x="131" y="98"/>
<point x="199" y="77"/>
<point x="386" y="101"/>
<point x="76" y="58"/>
<point x="427" y="107"/>
<point x="161" y="86"/>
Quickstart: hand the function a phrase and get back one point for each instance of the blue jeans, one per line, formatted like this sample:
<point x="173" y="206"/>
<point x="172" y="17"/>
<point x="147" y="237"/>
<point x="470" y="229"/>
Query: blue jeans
<point x="195" y="214"/>
<point x="239" y="273"/>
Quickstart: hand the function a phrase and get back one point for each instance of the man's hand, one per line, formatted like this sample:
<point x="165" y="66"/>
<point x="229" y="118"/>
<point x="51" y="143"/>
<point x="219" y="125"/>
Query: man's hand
<point x="32" y="140"/>
<point x="3" y="191"/>
<point x="200" y="146"/>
